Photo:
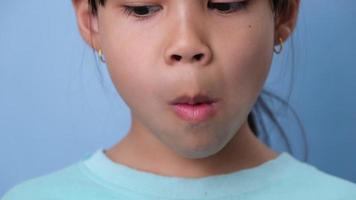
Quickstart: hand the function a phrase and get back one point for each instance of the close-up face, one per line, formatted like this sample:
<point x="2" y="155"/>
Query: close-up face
<point x="172" y="48"/>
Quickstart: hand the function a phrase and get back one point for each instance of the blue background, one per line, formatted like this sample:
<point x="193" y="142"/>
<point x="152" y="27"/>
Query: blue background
<point x="54" y="106"/>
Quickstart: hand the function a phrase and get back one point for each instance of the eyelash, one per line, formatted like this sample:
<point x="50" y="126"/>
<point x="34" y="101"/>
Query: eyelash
<point x="235" y="6"/>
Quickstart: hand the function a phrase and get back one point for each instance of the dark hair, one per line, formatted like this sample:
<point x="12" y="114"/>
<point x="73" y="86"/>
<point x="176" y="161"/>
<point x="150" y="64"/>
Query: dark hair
<point x="255" y="118"/>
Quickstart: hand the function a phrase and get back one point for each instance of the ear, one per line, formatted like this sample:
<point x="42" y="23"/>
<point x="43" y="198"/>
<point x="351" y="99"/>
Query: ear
<point x="286" y="21"/>
<point x="87" y="23"/>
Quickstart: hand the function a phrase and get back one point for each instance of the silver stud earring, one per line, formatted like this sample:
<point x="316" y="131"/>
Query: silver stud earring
<point x="279" y="50"/>
<point x="101" y="56"/>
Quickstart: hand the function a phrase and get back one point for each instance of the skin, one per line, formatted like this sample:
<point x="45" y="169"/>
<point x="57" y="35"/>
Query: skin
<point x="238" y="52"/>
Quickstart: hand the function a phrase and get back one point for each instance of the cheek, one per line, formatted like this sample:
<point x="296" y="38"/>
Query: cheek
<point x="130" y="70"/>
<point x="247" y="63"/>
<point x="133" y="84"/>
<point x="127" y="59"/>
<point x="253" y="58"/>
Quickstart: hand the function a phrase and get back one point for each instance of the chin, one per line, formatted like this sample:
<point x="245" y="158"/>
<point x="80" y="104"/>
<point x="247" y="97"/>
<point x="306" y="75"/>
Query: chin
<point x="199" y="151"/>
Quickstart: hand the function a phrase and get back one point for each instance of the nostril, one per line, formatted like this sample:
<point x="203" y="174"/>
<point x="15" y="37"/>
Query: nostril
<point x="195" y="57"/>
<point x="176" y="57"/>
<point x="198" y="56"/>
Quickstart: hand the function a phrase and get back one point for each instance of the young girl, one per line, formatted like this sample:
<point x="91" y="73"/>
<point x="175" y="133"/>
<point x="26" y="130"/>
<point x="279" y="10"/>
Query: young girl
<point x="190" y="72"/>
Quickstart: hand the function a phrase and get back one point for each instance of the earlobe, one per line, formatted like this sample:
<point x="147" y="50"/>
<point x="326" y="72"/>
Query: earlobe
<point x="287" y="21"/>
<point x="87" y="22"/>
<point x="283" y="32"/>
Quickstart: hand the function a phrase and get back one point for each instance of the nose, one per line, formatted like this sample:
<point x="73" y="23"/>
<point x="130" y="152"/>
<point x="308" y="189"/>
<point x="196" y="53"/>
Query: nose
<point x="187" y="46"/>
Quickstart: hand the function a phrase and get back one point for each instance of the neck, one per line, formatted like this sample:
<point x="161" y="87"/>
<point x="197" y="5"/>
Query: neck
<point x="144" y="152"/>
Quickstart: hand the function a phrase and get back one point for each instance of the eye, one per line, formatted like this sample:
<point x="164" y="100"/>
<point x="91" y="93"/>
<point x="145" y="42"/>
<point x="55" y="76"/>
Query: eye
<point x="145" y="11"/>
<point x="228" y="7"/>
<point x="140" y="12"/>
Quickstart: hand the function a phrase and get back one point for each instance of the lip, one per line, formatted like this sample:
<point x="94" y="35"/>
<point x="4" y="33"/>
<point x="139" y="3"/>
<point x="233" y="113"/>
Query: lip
<point x="195" y="109"/>
<point x="196" y="99"/>
<point x="195" y="113"/>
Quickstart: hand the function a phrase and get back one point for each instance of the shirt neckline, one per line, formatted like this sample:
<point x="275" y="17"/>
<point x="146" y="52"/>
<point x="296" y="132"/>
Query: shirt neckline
<point x="119" y="175"/>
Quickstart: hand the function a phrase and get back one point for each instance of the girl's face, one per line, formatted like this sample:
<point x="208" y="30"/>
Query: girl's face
<point x="152" y="57"/>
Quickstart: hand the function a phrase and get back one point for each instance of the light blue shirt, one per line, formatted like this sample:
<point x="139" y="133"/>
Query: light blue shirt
<point x="97" y="177"/>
